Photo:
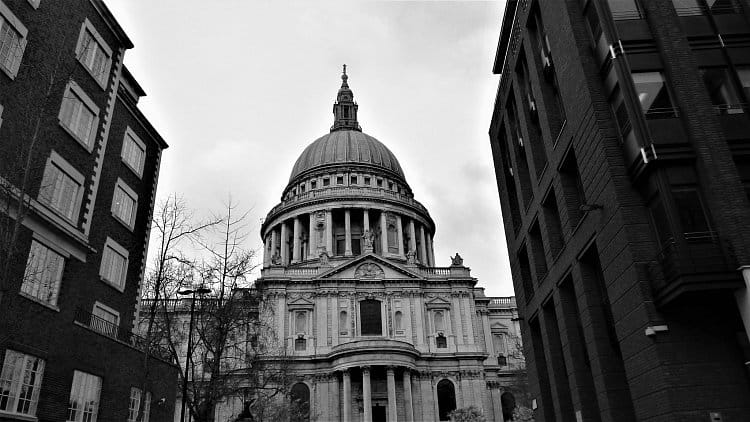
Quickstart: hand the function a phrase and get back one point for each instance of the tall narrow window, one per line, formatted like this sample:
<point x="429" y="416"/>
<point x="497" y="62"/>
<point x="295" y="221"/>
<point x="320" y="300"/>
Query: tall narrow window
<point x="724" y="95"/>
<point x="370" y="317"/>
<point x="446" y="395"/>
<point x="105" y="320"/>
<point x="133" y="152"/>
<point x="43" y="273"/>
<point x="653" y="94"/>
<point x="12" y="41"/>
<point x="20" y="381"/>
<point x="343" y="323"/>
<point x="500" y="145"/>
<point x="78" y="115"/>
<point x="124" y="204"/>
<point x="398" y="322"/>
<point x="552" y="223"/>
<point x="84" y="397"/>
<point x="134" y="406"/>
<point x="525" y="269"/>
<point x="439" y="318"/>
<point x="93" y="53"/>
<point x="300" y="322"/>
<point x="573" y="192"/>
<point x="62" y="187"/>
<point x="114" y="264"/>
<point x="537" y="251"/>
<point x="692" y="214"/>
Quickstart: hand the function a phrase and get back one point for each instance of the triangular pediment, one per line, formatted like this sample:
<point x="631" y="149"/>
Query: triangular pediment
<point x="370" y="267"/>
<point x="300" y="301"/>
<point x="438" y="301"/>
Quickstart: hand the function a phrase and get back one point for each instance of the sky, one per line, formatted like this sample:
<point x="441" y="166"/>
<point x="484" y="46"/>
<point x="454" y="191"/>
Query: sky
<point x="239" y="88"/>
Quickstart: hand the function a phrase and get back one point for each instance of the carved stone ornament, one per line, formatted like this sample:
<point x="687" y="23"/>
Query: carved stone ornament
<point x="324" y="259"/>
<point x="368" y="237"/>
<point x="411" y="257"/>
<point x="457" y="261"/>
<point x="369" y="270"/>
<point x="276" y="258"/>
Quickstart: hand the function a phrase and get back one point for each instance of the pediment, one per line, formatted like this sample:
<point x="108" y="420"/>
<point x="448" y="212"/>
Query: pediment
<point x="369" y="267"/>
<point x="300" y="302"/>
<point x="438" y="302"/>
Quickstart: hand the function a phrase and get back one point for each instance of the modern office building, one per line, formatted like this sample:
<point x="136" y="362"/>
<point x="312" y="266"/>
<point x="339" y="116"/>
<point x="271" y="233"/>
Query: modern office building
<point x="78" y="172"/>
<point x="621" y="143"/>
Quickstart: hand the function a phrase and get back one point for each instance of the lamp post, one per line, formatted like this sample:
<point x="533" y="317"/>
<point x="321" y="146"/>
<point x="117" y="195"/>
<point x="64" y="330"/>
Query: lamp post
<point x="201" y="291"/>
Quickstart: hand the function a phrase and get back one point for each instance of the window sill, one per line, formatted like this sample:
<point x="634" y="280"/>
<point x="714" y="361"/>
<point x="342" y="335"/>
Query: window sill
<point x="12" y="76"/>
<point x="80" y="141"/>
<point x="18" y="416"/>
<point x="39" y="302"/>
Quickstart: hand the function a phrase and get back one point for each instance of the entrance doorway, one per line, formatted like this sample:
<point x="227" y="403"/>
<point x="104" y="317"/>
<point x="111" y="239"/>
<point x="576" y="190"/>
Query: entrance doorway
<point x="378" y="413"/>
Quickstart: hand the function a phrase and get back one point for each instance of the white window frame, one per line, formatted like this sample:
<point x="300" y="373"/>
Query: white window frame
<point x="134" y="404"/>
<point x="87" y="389"/>
<point x="73" y="90"/>
<point x="37" y="239"/>
<point x="104" y="77"/>
<point x="130" y="135"/>
<point x="15" y="376"/>
<point x="130" y="193"/>
<point x="56" y="160"/>
<point x="110" y="243"/>
<point x="13" y="21"/>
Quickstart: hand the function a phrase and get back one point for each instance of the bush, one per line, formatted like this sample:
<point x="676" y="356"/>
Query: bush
<point x="467" y="414"/>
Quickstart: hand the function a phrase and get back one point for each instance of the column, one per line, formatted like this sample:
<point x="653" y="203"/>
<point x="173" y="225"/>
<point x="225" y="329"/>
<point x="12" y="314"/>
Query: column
<point x="423" y="247"/>
<point x="296" y="252"/>
<point x="366" y="395"/>
<point x="312" y="238"/>
<point x="274" y="242"/>
<point x="430" y="251"/>
<point x="408" y="402"/>
<point x="391" y="385"/>
<point x="412" y="237"/>
<point x="329" y="233"/>
<point x="366" y="219"/>
<point x="333" y="397"/>
<point x="284" y="244"/>
<point x="400" y="238"/>
<point x="267" y="251"/>
<point x="742" y="296"/>
<point x="348" y="231"/>
<point x="383" y="233"/>
<point x="347" y="396"/>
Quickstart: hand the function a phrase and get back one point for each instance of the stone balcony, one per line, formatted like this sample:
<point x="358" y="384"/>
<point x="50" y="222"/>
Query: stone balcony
<point x="311" y="272"/>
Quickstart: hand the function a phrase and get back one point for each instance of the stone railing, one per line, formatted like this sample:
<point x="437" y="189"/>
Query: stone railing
<point x="503" y="301"/>
<point x="346" y="192"/>
<point x="430" y="272"/>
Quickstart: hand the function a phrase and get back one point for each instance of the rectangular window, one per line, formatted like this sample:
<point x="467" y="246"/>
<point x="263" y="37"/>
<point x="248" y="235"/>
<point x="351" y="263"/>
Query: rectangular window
<point x="653" y="95"/>
<point x="43" y="273"/>
<point x="354" y="180"/>
<point x="133" y="152"/>
<point x="339" y="180"/>
<point x="125" y="204"/>
<point x="20" y="381"/>
<point x="93" y="53"/>
<point x="380" y="183"/>
<point x="326" y="181"/>
<point x="537" y="252"/>
<point x="114" y="264"/>
<point x="313" y="184"/>
<point x="724" y="95"/>
<point x="12" y="41"/>
<point x="62" y="187"/>
<point x="367" y="180"/>
<point x="689" y="207"/>
<point x="84" y="397"/>
<point x="105" y="320"/>
<point x="134" y="407"/>
<point x="79" y="115"/>
<point x="625" y="9"/>
<point x="742" y="71"/>
<point x="552" y="223"/>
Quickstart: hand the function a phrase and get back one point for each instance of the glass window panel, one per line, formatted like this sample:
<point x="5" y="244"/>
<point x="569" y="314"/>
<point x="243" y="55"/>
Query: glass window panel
<point x="370" y="317"/>
<point x="624" y="9"/>
<point x="20" y="380"/>
<point x="744" y="74"/>
<point x="722" y="6"/>
<point x="83" y="405"/>
<point x="43" y="273"/>
<point x="721" y="89"/>
<point x="10" y="45"/>
<point x="690" y="210"/>
<point x="688" y="7"/>
<point x="653" y="94"/>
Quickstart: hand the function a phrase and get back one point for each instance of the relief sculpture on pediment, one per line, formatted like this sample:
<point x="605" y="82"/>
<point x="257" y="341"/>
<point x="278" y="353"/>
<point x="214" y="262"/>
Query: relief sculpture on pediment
<point x="369" y="270"/>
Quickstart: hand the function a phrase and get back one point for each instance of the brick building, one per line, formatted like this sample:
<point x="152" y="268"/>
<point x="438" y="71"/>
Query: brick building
<point x="621" y="143"/>
<point x="78" y="172"/>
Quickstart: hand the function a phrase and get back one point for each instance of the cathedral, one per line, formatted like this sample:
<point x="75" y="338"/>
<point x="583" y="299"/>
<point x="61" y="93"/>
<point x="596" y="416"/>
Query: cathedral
<point x="375" y="329"/>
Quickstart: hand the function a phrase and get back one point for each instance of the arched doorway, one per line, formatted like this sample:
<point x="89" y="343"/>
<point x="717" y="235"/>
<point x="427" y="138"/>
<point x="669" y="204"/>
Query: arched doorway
<point x="508" y="403"/>
<point x="299" y="410"/>
<point x="446" y="395"/>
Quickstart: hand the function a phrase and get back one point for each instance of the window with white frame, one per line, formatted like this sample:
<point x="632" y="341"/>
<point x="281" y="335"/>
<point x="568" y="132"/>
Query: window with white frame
<point x="62" y="187"/>
<point x="44" y="269"/>
<point x="105" y="320"/>
<point x="93" y="53"/>
<point x="133" y="152"/>
<point x="136" y="403"/>
<point x="12" y="41"/>
<point x="114" y="265"/>
<point x="79" y="115"/>
<point x="84" y="397"/>
<point x="124" y="204"/>
<point x="1" y="115"/>
<point x="20" y="380"/>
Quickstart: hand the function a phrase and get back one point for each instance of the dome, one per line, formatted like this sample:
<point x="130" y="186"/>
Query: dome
<point x="346" y="147"/>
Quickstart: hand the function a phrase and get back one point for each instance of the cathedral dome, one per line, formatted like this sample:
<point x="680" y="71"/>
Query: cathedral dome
<point x="346" y="147"/>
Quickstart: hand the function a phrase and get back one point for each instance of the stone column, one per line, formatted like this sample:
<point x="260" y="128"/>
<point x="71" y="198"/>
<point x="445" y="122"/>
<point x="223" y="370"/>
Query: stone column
<point x="408" y="402"/>
<point x="400" y="237"/>
<point x="366" y="219"/>
<point x="348" y="231"/>
<point x="347" y="395"/>
<point x="274" y="242"/>
<point x="329" y="233"/>
<point x="412" y="236"/>
<point x="742" y="296"/>
<point x="430" y="251"/>
<point x="333" y="397"/>
<point x="366" y="395"/>
<point x="423" y="247"/>
<point x="296" y="252"/>
<point x="312" y="238"/>
<point x="383" y="233"/>
<point x="267" y="251"/>
<point x="391" y="385"/>
<point x="284" y="244"/>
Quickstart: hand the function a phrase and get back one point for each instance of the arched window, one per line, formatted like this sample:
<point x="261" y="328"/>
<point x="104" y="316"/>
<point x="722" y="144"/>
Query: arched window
<point x="439" y="321"/>
<point x="446" y="394"/>
<point x="343" y="323"/>
<point x="300" y="406"/>
<point x="369" y="317"/>
<point x="398" y="322"/>
<point x="300" y="322"/>
<point x="508" y="403"/>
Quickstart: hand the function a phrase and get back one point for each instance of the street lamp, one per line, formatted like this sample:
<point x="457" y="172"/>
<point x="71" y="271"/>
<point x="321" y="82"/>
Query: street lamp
<point x="200" y="291"/>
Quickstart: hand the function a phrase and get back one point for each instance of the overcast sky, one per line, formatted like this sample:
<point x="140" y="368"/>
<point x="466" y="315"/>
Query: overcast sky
<point x="239" y="88"/>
